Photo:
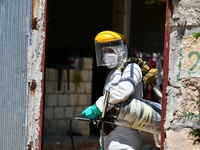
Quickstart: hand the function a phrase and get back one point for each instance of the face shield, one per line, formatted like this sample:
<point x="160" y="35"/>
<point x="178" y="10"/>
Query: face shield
<point x="110" y="54"/>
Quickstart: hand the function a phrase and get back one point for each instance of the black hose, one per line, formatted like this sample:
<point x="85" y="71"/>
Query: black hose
<point x="71" y="132"/>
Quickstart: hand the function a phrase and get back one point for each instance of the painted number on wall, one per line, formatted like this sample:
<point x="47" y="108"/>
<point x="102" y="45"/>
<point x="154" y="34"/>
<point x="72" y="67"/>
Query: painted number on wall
<point x="197" y="61"/>
<point x="190" y="64"/>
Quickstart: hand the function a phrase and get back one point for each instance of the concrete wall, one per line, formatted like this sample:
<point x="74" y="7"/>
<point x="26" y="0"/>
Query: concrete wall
<point x="184" y="76"/>
<point x="61" y="106"/>
<point x="121" y="17"/>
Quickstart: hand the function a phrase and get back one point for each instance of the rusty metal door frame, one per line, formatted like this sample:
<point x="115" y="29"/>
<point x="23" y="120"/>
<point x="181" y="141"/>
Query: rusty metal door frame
<point x="43" y="75"/>
<point x="165" y="67"/>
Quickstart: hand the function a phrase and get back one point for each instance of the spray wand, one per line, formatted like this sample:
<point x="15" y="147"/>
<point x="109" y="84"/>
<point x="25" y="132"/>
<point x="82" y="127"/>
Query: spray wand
<point x="93" y="121"/>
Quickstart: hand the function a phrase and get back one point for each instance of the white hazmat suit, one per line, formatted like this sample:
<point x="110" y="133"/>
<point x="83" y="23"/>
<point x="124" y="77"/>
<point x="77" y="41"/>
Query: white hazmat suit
<point x="122" y="87"/>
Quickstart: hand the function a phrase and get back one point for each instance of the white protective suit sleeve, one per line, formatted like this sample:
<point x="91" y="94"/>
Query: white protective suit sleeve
<point x="125" y="87"/>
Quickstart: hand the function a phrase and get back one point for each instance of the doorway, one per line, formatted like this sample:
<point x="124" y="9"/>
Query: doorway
<point x="72" y="26"/>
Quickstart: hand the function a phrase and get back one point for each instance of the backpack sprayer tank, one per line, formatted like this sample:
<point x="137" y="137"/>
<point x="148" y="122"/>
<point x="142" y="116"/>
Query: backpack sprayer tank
<point x="134" y="113"/>
<point x="140" y="114"/>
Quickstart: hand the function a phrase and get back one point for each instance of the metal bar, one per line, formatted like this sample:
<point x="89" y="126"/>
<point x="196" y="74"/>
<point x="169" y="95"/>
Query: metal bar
<point x="105" y="104"/>
<point x="90" y="120"/>
<point x="165" y="67"/>
<point x="157" y="90"/>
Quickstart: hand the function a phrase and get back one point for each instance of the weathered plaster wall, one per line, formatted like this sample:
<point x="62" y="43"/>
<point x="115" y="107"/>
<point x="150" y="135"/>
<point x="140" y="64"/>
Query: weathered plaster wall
<point x="36" y="75"/>
<point x="184" y="75"/>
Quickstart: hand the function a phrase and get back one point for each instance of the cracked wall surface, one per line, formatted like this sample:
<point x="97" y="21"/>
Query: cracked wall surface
<point x="184" y="76"/>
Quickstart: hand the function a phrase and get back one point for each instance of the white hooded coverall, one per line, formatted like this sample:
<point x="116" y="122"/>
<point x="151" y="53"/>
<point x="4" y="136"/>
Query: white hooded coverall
<point x="122" y="87"/>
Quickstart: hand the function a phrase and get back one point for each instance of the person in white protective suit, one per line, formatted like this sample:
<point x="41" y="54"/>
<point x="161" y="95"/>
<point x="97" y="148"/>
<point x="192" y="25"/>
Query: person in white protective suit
<point x="112" y="52"/>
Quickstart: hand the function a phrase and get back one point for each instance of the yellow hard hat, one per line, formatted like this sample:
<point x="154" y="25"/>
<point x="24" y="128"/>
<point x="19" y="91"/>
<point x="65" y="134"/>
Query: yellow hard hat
<point x="108" y="36"/>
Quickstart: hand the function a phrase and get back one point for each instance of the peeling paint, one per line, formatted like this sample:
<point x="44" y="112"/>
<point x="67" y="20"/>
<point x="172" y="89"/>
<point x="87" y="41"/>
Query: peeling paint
<point x="36" y="75"/>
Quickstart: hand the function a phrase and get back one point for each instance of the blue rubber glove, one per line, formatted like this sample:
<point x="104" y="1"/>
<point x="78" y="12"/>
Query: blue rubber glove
<point x="91" y="112"/>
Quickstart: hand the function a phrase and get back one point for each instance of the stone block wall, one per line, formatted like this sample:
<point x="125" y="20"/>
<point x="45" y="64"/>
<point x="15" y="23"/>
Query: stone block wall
<point x="61" y="105"/>
<point x="183" y="91"/>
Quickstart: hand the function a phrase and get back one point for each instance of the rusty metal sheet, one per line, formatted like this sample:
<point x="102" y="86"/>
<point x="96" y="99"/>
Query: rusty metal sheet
<point x="22" y="73"/>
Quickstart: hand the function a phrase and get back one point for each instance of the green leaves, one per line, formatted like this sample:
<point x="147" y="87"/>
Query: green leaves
<point x="196" y="132"/>
<point x="190" y="115"/>
<point x="77" y="79"/>
<point x="151" y="2"/>
<point x="197" y="35"/>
